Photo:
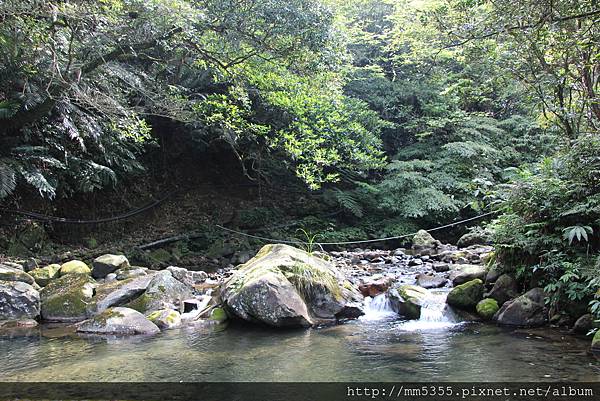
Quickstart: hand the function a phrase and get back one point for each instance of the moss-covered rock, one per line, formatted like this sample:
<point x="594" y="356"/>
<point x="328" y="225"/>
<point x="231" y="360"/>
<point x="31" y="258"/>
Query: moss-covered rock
<point x="74" y="267"/>
<point x="10" y="273"/>
<point x="162" y="292"/>
<point x="487" y="308"/>
<point x="285" y="286"/>
<point x="596" y="343"/>
<point x="467" y="295"/>
<point x="44" y="275"/>
<point x="120" y="321"/>
<point x="117" y="293"/>
<point x="106" y="264"/>
<point x="66" y="299"/>
<point x="218" y="315"/>
<point x="407" y="300"/>
<point x="165" y="318"/>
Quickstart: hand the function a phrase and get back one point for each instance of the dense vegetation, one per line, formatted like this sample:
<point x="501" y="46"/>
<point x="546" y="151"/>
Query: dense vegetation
<point x="406" y="114"/>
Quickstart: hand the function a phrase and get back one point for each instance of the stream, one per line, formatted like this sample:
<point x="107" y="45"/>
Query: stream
<point x="379" y="346"/>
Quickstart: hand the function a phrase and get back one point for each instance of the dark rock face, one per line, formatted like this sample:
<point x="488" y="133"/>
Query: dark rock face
<point x="528" y="310"/>
<point x="584" y="324"/>
<point x="505" y="288"/>
<point x="18" y="300"/>
<point x="118" y="321"/>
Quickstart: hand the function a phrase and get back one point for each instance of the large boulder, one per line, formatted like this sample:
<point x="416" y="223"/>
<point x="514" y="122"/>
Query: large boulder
<point x="165" y="318"/>
<point x="66" y="299"/>
<point x="505" y="288"/>
<point x="477" y="236"/>
<point x="423" y="243"/>
<point x="18" y="300"/>
<point x="44" y="275"/>
<point x="460" y="274"/>
<point x="585" y="323"/>
<point x="163" y="292"/>
<point x="287" y="287"/>
<point x="487" y="308"/>
<point x="466" y="295"/>
<point x="11" y="273"/>
<point x="407" y="300"/>
<point x="74" y="267"/>
<point x="528" y="310"/>
<point x="106" y="264"/>
<point x="117" y="293"/>
<point x="118" y="321"/>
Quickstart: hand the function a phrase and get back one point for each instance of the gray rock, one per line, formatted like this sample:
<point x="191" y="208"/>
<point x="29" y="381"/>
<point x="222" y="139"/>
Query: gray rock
<point x="505" y="288"/>
<point x="462" y="273"/>
<point x="66" y="299"/>
<point x="165" y="318"/>
<point x="18" y="300"/>
<point x="431" y="281"/>
<point x="132" y="272"/>
<point x="163" y="292"/>
<point x="528" y="310"/>
<point x="441" y="267"/>
<point x="118" y="293"/>
<point x="188" y="277"/>
<point x="415" y="262"/>
<point x="118" y="321"/>
<point x="11" y="273"/>
<point x="584" y="324"/>
<point x="492" y="275"/>
<point x="105" y="264"/>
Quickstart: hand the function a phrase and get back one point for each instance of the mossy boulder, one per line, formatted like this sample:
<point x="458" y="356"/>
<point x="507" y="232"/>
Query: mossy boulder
<point x="424" y="244"/>
<point x="44" y="275"/>
<point x="596" y="343"/>
<point x="218" y="315"/>
<point x="283" y="286"/>
<point x="106" y="264"/>
<point x="18" y="300"/>
<point x="528" y="310"/>
<point x="117" y="293"/>
<point x="11" y="273"/>
<point x="163" y="292"/>
<point x="118" y="321"/>
<point x="487" y="308"/>
<point x="165" y="318"/>
<point x="466" y="295"/>
<point x="74" y="267"/>
<point x="66" y="299"/>
<point x="407" y="300"/>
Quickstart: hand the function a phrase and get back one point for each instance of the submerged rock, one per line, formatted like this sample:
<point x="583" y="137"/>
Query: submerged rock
<point x="163" y="292"/>
<point x="66" y="299"/>
<point x="44" y="275"/>
<point x="106" y="264"/>
<point x="120" y="321"/>
<point x="287" y="287"/>
<point x="467" y="295"/>
<point x="165" y="318"/>
<point x="528" y="310"/>
<point x="464" y="272"/>
<point x="487" y="308"/>
<point x="18" y="300"/>
<point x="505" y="288"/>
<point x="407" y="300"/>
<point x="74" y="267"/>
<point x="11" y="273"/>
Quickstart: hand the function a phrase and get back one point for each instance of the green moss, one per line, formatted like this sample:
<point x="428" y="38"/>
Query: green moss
<point x="307" y="279"/>
<point x="487" y="308"/>
<point x="141" y="303"/>
<point x="218" y="314"/>
<point x="75" y="267"/>
<point x="66" y="297"/>
<point x="467" y="295"/>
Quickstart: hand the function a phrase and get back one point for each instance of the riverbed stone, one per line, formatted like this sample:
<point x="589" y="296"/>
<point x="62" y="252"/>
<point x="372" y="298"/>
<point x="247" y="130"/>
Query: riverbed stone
<point x="163" y="292"/>
<point x="188" y="277"/>
<point x="18" y="300"/>
<point x="585" y="323"/>
<point x="466" y="295"/>
<point x="118" y="321"/>
<point x="165" y="318"/>
<point x="132" y="272"/>
<point x="66" y="299"/>
<point x="431" y="281"/>
<point x="487" y="308"/>
<point x="105" y="264"/>
<point x="283" y="286"/>
<point x="505" y="288"/>
<point x="372" y="287"/>
<point x="10" y="273"/>
<point x="462" y="273"/>
<point x="74" y="267"/>
<point x="44" y="275"/>
<point x="528" y="310"/>
<point x="407" y="300"/>
<point x="117" y="293"/>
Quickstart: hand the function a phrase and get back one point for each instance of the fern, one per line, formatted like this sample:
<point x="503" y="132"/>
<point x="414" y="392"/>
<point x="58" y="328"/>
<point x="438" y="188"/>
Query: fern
<point x="8" y="180"/>
<point x="348" y="202"/>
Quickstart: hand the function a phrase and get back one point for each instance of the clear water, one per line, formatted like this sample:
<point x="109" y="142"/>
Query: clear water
<point x="381" y="349"/>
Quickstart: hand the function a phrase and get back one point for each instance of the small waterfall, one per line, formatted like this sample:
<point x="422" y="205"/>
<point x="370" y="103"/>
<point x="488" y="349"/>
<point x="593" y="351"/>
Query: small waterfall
<point x="377" y="308"/>
<point x="434" y="315"/>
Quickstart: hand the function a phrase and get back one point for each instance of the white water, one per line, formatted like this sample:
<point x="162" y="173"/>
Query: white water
<point x="434" y="314"/>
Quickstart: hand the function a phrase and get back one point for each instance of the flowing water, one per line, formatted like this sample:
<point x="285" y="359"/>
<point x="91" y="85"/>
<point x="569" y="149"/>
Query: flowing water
<point x="378" y="347"/>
